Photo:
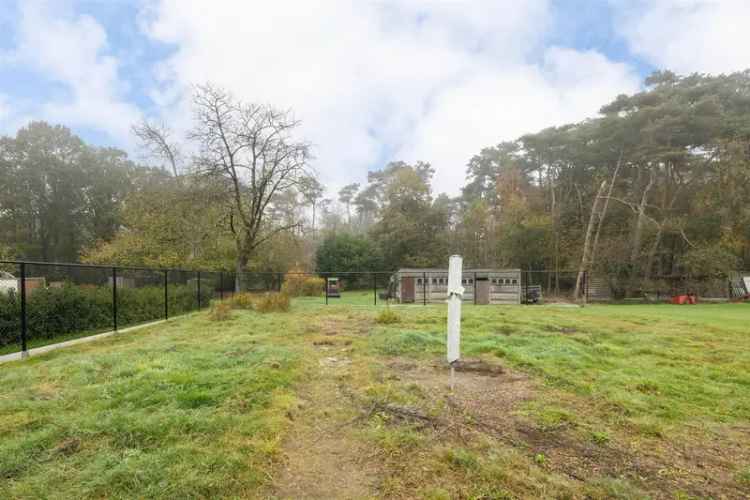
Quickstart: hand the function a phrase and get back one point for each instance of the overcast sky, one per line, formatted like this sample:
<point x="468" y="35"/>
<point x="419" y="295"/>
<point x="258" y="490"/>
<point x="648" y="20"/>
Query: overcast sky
<point x="371" y="81"/>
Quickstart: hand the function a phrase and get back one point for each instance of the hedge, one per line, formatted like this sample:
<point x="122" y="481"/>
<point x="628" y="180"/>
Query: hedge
<point x="51" y="312"/>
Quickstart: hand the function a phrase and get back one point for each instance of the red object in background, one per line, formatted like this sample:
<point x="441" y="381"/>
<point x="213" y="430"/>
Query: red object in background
<point x="684" y="299"/>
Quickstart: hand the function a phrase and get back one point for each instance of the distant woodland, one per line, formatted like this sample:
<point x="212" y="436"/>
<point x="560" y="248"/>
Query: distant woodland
<point x="657" y="184"/>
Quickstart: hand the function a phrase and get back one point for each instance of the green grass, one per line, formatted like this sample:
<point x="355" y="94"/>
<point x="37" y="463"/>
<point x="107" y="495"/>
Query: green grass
<point x="195" y="409"/>
<point x="181" y="410"/>
<point x="31" y="344"/>
<point x="644" y="375"/>
<point x="349" y="298"/>
<point x="58" y="338"/>
<point x="676" y="363"/>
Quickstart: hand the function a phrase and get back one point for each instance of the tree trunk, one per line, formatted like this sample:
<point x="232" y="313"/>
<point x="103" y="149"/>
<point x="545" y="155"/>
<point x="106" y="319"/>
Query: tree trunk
<point x="635" y="252"/>
<point x="240" y="269"/>
<point x="313" y="220"/>
<point x="586" y="257"/>
<point x="652" y="254"/>
<point x="599" y="225"/>
<point x="555" y="232"/>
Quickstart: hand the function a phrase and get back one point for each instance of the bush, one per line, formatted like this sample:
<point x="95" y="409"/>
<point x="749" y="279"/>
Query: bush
<point x="242" y="300"/>
<point x="51" y="312"/>
<point x="10" y="309"/>
<point x="312" y="286"/>
<point x="221" y="311"/>
<point x="301" y="285"/>
<point x="387" y="317"/>
<point x="272" y="302"/>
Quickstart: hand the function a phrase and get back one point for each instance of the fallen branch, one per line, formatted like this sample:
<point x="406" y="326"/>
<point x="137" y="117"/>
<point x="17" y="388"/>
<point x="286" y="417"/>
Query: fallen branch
<point x="407" y="413"/>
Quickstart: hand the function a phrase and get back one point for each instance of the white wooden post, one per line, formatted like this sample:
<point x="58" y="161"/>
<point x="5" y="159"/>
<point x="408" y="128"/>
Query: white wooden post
<point x="455" y="296"/>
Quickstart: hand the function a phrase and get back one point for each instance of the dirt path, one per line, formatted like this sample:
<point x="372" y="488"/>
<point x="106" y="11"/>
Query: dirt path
<point x="323" y="457"/>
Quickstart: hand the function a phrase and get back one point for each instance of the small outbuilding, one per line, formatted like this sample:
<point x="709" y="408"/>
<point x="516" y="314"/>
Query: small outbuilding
<point x="8" y="283"/>
<point x="482" y="286"/>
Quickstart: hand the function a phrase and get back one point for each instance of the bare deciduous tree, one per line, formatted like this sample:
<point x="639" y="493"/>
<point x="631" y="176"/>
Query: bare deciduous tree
<point x="252" y="149"/>
<point x="156" y="141"/>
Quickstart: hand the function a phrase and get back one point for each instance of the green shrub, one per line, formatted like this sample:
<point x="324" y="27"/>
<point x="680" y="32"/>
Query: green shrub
<point x="10" y="309"/>
<point x="272" y="302"/>
<point x="71" y="309"/>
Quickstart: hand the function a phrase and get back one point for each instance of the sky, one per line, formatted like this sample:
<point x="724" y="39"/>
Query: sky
<point x="371" y="82"/>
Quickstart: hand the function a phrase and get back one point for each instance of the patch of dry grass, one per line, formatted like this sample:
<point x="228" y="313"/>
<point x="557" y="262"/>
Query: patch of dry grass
<point x="220" y="311"/>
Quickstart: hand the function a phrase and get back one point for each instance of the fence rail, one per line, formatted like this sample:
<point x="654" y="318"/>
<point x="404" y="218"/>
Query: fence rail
<point x="46" y="302"/>
<point x="42" y="303"/>
<point x="51" y="302"/>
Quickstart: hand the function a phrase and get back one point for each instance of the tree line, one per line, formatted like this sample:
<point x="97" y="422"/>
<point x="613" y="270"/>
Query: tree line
<point x="658" y="184"/>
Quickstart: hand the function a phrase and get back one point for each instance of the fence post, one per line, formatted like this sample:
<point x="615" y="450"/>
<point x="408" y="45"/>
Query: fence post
<point x="375" y="288"/>
<point x="221" y="285"/>
<point x="586" y="289"/>
<point x="526" y="287"/>
<point x="280" y="277"/>
<point x="325" y="287"/>
<point x="166" y="294"/>
<point x="199" y="290"/>
<point x="24" y="350"/>
<point x="424" y="289"/>
<point x="114" y="298"/>
<point x="475" y="288"/>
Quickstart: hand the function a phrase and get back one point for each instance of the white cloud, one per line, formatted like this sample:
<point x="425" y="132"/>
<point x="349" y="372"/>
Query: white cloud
<point x="490" y="106"/>
<point x="688" y="35"/>
<point x="371" y="81"/>
<point x="72" y="50"/>
<point x="431" y="81"/>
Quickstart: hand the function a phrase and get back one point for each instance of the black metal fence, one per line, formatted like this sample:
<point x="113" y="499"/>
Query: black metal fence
<point x="556" y="286"/>
<point x="43" y="303"/>
<point x="560" y="286"/>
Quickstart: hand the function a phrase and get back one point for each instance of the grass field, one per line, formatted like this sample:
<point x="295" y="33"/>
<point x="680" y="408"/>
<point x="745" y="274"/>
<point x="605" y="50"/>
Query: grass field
<point x="326" y="402"/>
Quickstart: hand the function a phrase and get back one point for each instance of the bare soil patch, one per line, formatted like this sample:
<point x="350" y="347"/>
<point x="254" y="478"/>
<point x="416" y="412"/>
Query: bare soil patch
<point x="477" y="366"/>
<point x="487" y="399"/>
<point x="324" y="461"/>
<point x="323" y="458"/>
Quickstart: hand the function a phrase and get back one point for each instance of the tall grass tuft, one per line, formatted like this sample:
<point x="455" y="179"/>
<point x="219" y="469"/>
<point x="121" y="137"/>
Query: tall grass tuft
<point x="221" y="311"/>
<point x="387" y="317"/>
<point x="242" y="300"/>
<point x="272" y="302"/>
